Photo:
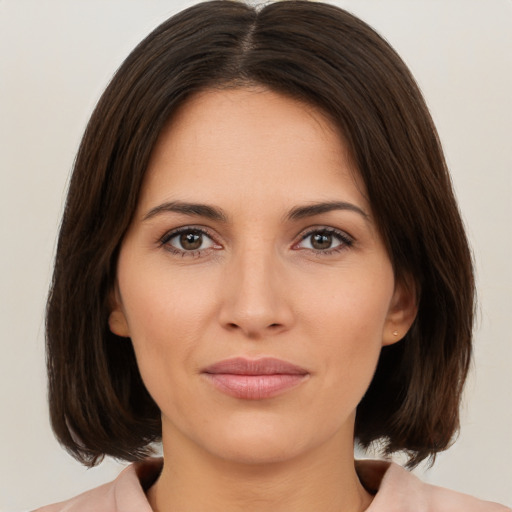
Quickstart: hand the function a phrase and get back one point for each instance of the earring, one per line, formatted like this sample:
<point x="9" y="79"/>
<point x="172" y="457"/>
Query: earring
<point x="395" y="333"/>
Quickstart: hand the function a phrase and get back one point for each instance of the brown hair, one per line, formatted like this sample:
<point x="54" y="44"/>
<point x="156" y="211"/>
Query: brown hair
<point x="326" y="57"/>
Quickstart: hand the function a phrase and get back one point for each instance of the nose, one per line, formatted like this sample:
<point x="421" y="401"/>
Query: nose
<point x="256" y="300"/>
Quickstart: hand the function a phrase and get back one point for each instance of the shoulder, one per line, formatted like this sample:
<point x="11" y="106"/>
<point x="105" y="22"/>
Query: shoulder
<point x="398" y="490"/>
<point x="126" y="493"/>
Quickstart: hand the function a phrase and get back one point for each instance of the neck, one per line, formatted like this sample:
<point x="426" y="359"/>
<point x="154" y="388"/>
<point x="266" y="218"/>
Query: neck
<point x="194" y="481"/>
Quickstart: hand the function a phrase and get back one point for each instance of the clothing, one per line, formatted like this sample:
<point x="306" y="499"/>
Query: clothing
<point x="395" y="489"/>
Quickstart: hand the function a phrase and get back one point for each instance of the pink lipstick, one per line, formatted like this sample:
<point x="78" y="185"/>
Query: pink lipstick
<point x="254" y="379"/>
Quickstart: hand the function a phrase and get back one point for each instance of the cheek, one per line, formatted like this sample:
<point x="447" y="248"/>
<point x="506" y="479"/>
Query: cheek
<point x="167" y="312"/>
<point x="349" y="363"/>
<point x="161" y="304"/>
<point x="164" y="332"/>
<point x="347" y="324"/>
<point x="352" y="305"/>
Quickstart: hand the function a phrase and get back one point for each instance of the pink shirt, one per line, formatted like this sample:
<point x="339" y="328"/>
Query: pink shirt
<point x="396" y="490"/>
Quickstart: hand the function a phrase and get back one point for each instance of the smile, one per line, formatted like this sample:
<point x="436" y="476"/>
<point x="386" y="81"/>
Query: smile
<point x="254" y="379"/>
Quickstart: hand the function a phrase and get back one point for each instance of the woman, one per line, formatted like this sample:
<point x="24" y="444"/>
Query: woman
<point x="261" y="260"/>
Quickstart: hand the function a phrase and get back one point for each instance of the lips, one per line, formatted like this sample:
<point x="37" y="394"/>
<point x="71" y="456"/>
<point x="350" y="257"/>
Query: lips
<point x="254" y="379"/>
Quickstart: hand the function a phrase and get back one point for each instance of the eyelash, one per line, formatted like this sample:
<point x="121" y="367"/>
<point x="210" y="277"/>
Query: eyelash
<point x="345" y="240"/>
<point x="164" y="241"/>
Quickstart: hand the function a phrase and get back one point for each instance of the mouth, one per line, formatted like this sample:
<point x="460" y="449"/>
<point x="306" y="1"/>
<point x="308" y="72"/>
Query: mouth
<point x="254" y="379"/>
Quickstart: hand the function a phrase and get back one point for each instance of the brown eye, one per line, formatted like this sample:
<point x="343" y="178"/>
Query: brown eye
<point x="320" y="241"/>
<point x="325" y="240"/>
<point x="191" y="241"/>
<point x="188" y="241"/>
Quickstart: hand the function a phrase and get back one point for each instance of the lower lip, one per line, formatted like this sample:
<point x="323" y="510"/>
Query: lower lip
<point x="254" y="387"/>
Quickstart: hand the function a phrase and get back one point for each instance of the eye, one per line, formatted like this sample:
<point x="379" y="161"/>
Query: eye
<point x="325" y="240"/>
<point x="188" y="240"/>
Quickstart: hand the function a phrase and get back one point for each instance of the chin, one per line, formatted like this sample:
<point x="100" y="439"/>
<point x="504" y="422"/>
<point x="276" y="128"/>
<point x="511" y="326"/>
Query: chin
<point x="261" y="442"/>
<point x="258" y="452"/>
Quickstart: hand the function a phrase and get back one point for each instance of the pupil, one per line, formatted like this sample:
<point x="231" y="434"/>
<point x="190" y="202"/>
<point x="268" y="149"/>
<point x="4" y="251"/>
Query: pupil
<point x="191" y="241"/>
<point x="321" y="241"/>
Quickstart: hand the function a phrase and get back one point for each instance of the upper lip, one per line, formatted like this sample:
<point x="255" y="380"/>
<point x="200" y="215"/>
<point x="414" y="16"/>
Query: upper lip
<point x="262" y="366"/>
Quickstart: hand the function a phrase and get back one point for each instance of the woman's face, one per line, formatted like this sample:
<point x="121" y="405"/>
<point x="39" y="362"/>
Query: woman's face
<point x="253" y="283"/>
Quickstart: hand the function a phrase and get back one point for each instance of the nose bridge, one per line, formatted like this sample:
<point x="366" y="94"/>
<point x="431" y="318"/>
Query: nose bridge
<point x="254" y="298"/>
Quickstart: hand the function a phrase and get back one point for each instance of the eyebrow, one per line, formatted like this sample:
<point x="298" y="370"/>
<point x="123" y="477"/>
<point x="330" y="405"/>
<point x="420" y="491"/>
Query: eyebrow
<point x="196" y="209"/>
<point x="301" y="212"/>
<point x="214" y="213"/>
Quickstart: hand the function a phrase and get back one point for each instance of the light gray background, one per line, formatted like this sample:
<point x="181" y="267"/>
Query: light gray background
<point x="56" y="56"/>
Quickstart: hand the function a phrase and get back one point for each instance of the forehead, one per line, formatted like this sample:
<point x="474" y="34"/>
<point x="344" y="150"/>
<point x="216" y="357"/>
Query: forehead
<point x="246" y="142"/>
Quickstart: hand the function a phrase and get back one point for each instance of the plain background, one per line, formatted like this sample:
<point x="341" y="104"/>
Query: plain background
<point x="56" y="56"/>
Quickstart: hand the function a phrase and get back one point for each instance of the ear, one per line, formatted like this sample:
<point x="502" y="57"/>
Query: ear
<point x="117" y="319"/>
<point x="402" y="311"/>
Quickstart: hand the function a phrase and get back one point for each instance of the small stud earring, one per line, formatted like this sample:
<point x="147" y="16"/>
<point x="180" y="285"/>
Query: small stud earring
<point x="395" y="333"/>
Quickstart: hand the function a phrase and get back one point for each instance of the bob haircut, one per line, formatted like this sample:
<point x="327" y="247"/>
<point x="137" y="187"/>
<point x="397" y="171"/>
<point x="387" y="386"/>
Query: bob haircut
<point x="320" y="55"/>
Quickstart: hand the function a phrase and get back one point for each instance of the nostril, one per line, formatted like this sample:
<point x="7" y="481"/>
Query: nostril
<point x="234" y="326"/>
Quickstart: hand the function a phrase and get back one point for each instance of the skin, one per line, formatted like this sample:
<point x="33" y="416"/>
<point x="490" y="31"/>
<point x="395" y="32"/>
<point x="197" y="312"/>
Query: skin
<point x="260" y="285"/>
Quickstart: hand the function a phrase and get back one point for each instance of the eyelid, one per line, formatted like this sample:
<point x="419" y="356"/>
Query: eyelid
<point x="172" y="233"/>
<point x="346" y="239"/>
